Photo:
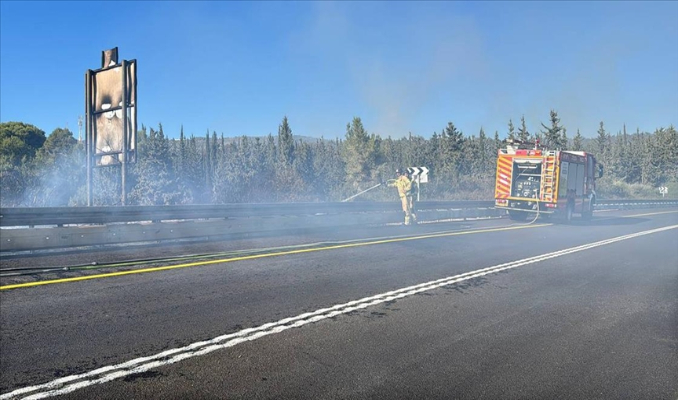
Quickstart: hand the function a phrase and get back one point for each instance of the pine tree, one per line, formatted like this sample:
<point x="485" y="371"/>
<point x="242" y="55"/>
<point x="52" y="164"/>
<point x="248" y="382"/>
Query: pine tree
<point x="286" y="178"/>
<point x="304" y="172"/>
<point x="214" y="150"/>
<point x="193" y="175"/>
<point x="511" y="130"/>
<point x="59" y="170"/>
<point x="329" y="170"/>
<point x="482" y="157"/>
<point x="236" y="173"/>
<point x="634" y="158"/>
<point x="666" y="154"/>
<point x="602" y="139"/>
<point x="615" y="163"/>
<point x="552" y="134"/>
<point x="359" y="155"/>
<point x="626" y="156"/>
<point x="285" y="143"/>
<point x="155" y="180"/>
<point x="161" y="133"/>
<point x="182" y="151"/>
<point x="451" y="145"/>
<point x="523" y="134"/>
<point x="650" y="168"/>
<point x="578" y="143"/>
<point x="434" y="161"/>
<point x="407" y="151"/>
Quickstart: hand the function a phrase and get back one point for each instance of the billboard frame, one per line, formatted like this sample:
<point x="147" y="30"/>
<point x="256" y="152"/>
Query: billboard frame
<point x="128" y="108"/>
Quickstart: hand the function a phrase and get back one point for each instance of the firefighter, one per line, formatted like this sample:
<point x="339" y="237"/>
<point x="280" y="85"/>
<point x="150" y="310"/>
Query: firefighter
<point x="404" y="186"/>
<point x="412" y="195"/>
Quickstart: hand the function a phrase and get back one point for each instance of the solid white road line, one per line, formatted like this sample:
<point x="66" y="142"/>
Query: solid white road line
<point x="138" y="365"/>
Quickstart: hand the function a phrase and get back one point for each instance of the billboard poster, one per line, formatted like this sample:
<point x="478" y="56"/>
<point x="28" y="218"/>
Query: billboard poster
<point x="107" y="98"/>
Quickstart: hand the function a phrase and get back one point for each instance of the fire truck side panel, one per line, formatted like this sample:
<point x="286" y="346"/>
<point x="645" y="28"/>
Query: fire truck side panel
<point x="577" y="170"/>
<point x="504" y="177"/>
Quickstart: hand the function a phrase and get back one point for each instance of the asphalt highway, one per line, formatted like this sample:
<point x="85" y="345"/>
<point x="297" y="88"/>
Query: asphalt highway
<point x="483" y="309"/>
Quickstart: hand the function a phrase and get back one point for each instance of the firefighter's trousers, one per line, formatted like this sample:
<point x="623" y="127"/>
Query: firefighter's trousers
<point x="408" y="203"/>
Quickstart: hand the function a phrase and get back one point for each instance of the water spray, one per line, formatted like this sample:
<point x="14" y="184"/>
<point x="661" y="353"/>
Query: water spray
<point x="364" y="191"/>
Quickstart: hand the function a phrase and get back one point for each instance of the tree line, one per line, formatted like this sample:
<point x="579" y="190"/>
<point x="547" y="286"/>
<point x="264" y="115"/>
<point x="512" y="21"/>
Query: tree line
<point x="50" y="170"/>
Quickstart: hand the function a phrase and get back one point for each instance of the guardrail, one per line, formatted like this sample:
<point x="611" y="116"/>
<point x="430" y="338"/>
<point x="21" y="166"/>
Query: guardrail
<point x="35" y="216"/>
<point x="59" y="216"/>
<point x="29" y="229"/>
<point x="624" y="204"/>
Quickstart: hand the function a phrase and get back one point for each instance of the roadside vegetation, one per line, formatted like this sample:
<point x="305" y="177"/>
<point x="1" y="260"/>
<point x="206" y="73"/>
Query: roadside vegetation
<point x="49" y="170"/>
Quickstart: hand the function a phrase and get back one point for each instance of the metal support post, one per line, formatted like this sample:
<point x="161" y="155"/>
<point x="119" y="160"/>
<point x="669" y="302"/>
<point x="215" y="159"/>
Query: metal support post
<point x="125" y="133"/>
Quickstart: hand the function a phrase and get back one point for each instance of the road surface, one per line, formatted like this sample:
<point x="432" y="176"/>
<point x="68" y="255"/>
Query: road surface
<point x="465" y="310"/>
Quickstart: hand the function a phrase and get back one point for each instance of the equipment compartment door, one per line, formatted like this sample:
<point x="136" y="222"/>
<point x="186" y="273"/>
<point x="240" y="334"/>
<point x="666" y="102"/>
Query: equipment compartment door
<point x="502" y="187"/>
<point x="526" y="178"/>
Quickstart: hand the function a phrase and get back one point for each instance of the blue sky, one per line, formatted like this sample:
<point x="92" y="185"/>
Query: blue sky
<point x="238" y="67"/>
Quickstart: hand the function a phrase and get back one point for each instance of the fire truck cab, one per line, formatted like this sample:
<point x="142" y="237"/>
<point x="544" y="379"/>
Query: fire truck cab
<point x="531" y="180"/>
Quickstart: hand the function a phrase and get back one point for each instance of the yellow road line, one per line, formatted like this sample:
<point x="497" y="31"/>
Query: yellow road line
<point x="257" y="256"/>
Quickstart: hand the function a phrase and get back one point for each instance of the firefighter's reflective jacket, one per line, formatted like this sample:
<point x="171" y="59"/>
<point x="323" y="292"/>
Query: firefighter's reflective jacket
<point x="404" y="185"/>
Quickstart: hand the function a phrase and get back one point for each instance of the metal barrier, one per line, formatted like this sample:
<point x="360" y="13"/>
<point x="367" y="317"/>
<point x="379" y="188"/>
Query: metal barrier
<point x="28" y="229"/>
<point x="627" y="204"/>
<point x="103" y="215"/>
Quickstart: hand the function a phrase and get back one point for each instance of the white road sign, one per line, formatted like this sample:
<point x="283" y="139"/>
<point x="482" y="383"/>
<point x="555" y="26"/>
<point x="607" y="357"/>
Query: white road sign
<point x="420" y="174"/>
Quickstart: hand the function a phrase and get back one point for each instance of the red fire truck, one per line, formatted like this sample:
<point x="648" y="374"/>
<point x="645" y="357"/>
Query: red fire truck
<point x="533" y="180"/>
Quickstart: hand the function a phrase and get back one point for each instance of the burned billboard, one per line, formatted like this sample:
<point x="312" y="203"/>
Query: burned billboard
<point x="112" y="98"/>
